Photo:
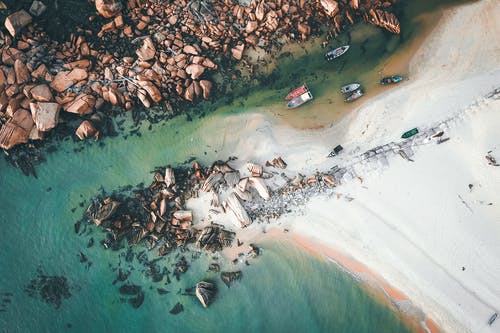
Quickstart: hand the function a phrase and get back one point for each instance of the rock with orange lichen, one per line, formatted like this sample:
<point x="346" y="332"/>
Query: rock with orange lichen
<point x="65" y="79"/>
<point x="385" y="20"/>
<point x="195" y="70"/>
<point x="147" y="50"/>
<point x="16" y="130"/>
<point x="206" y="87"/>
<point x="83" y="104"/>
<point x="41" y="93"/>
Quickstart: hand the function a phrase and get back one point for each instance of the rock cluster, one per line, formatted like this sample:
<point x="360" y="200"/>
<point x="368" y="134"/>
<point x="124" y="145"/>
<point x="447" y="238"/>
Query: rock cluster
<point x="146" y="52"/>
<point x="157" y="216"/>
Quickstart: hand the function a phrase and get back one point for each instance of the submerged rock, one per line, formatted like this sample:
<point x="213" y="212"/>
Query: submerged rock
<point x="229" y="277"/>
<point x="178" y="308"/>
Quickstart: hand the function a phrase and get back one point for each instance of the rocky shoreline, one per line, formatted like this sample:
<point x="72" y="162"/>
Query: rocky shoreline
<point x="139" y="54"/>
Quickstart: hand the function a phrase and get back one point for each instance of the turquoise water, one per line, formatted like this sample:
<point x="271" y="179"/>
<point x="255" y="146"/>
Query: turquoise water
<point x="285" y="289"/>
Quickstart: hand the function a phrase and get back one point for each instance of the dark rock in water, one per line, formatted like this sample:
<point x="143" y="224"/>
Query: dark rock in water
<point x="137" y="301"/>
<point x="214" y="267"/>
<point x="51" y="289"/>
<point x="178" y="308"/>
<point x="205" y="292"/>
<point x="162" y="291"/>
<point x="91" y="242"/>
<point x="83" y="257"/>
<point x="129" y="256"/>
<point x="181" y="267"/>
<point x="78" y="224"/>
<point x="122" y="276"/>
<point x="229" y="277"/>
<point x="130" y="289"/>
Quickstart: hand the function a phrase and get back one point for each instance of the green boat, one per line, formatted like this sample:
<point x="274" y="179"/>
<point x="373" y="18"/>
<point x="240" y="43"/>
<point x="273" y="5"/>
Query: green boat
<point x="409" y="133"/>
<point x="391" y="79"/>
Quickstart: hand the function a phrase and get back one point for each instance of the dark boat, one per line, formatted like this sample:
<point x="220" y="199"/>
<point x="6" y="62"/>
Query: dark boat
<point x="410" y="133"/>
<point x="492" y="319"/>
<point x="296" y="92"/>
<point x="336" y="151"/>
<point x="391" y="79"/>
<point x="354" y="96"/>
<point x="330" y="55"/>
<point x="298" y="101"/>
<point x="350" y="88"/>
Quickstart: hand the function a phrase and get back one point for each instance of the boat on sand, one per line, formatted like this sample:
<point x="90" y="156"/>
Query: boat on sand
<point x="393" y="79"/>
<point x="297" y="92"/>
<point x="298" y="101"/>
<point x="330" y="55"/>
<point x="349" y="88"/>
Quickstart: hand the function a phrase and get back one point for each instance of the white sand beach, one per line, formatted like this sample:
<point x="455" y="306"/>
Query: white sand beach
<point x="429" y="227"/>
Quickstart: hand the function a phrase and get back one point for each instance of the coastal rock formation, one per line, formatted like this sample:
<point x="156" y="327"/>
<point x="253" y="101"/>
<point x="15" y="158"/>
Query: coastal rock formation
<point x="86" y="130"/>
<point x="156" y="52"/>
<point x="229" y="277"/>
<point x="45" y="115"/>
<point x="205" y="292"/>
<point x="16" y="130"/>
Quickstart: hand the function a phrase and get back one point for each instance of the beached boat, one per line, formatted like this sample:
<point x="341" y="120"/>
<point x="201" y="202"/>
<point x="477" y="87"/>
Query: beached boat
<point x="297" y="92"/>
<point x="349" y="88"/>
<point x="410" y="133"/>
<point x="354" y="96"/>
<point x="298" y="101"/>
<point x="336" y="53"/>
<point x="391" y="79"/>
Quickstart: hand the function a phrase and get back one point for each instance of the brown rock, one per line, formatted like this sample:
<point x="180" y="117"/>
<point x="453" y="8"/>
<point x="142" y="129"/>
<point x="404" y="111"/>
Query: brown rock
<point x="41" y="93"/>
<point x="206" y="86"/>
<point x="251" y="26"/>
<point x="16" y="130"/>
<point x="65" y="79"/>
<point x="35" y="134"/>
<point x="152" y="91"/>
<point x="195" y="70"/>
<point x="108" y="8"/>
<point x="331" y="7"/>
<point x="83" y="104"/>
<point x="45" y="115"/>
<point x="22" y="75"/>
<point x="86" y="130"/>
<point x="17" y="21"/>
<point x="147" y="51"/>
<point x="189" y="49"/>
<point x="260" y="11"/>
<point x="189" y="93"/>
<point x="237" y="51"/>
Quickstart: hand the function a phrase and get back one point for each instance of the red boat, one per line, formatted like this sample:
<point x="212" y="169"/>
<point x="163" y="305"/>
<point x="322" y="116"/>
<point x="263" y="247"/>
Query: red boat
<point x="297" y="92"/>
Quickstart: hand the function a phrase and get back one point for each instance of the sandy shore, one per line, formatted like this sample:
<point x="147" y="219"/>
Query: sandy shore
<point x="429" y="229"/>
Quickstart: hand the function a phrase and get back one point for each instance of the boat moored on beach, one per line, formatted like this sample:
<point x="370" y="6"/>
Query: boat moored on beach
<point x="349" y="88"/>
<point x="354" y="96"/>
<point x="330" y="55"/>
<point x="393" y="79"/>
<point x="297" y="92"/>
<point x="298" y="101"/>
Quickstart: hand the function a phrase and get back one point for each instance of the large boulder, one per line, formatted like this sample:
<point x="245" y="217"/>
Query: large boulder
<point x="86" y="130"/>
<point x="147" y="50"/>
<point x="206" y="86"/>
<point x="195" y="70"/>
<point x="205" y="292"/>
<point x="41" y="93"/>
<point x="45" y="115"/>
<point x="66" y="79"/>
<point x="152" y="90"/>
<point x="17" y="21"/>
<point x="16" y="130"/>
<point x="108" y="8"/>
<point x="331" y="7"/>
<point x="83" y="104"/>
<point x="22" y="75"/>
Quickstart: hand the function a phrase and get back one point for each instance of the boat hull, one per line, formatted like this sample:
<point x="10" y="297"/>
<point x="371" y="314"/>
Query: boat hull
<point x="391" y="79"/>
<point x="350" y="88"/>
<point x="300" y="100"/>
<point x="296" y="92"/>
<point x="334" y="54"/>
<point x="354" y="96"/>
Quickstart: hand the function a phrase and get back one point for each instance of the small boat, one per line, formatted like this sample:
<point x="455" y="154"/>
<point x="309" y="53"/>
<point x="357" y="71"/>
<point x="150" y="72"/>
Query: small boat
<point x="492" y="319"/>
<point x="297" y="92"/>
<point x="298" y="101"/>
<point x="350" y="87"/>
<point x="336" y="151"/>
<point x="391" y="79"/>
<point x="354" y="96"/>
<point x="410" y="133"/>
<point x="330" y="55"/>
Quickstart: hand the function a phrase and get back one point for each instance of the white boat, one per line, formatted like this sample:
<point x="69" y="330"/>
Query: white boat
<point x="298" y="101"/>
<point x="349" y="88"/>
<point x="330" y="55"/>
